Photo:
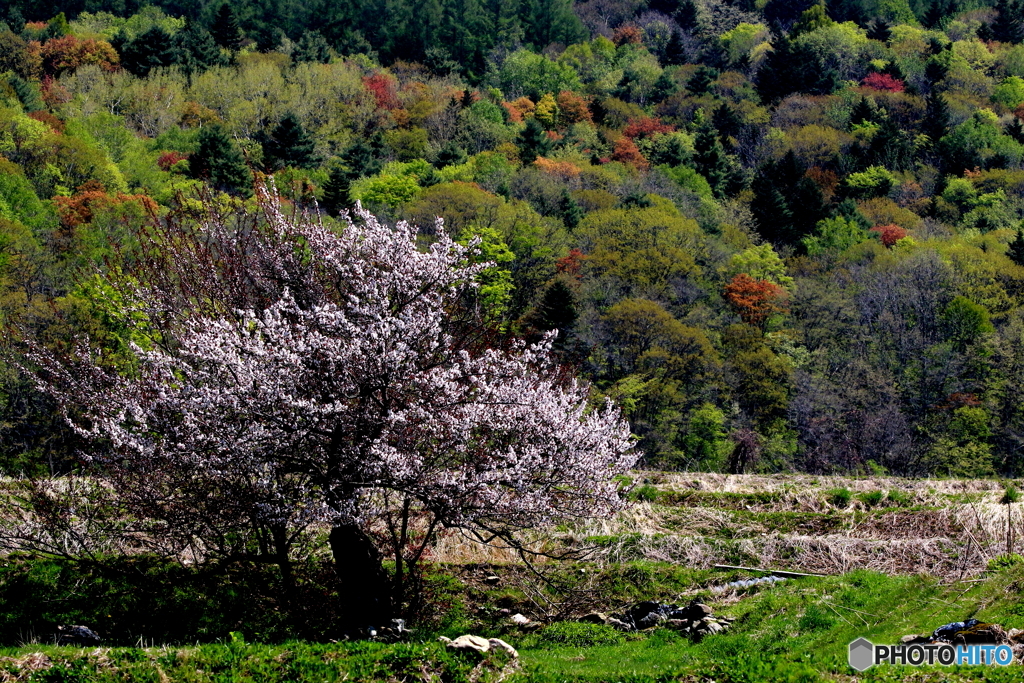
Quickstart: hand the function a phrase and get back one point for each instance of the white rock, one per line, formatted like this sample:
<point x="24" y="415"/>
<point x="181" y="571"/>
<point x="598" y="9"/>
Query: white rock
<point x="470" y="643"/>
<point x="520" y="619"/>
<point x="499" y="644"/>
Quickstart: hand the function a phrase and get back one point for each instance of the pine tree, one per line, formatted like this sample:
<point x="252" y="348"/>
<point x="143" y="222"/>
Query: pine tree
<point x="27" y="95"/>
<point x="219" y="162"/>
<point x="710" y="159"/>
<point x="675" y="50"/>
<point x="1016" y="249"/>
<point x="153" y="49"/>
<point x="556" y="310"/>
<point x="312" y="47"/>
<point x="936" y="116"/>
<point x="571" y="212"/>
<point x="701" y="81"/>
<point x="364" y="157"/>
<point x="337" y="190"/>
<point x="225" y="29"/>
<point x="533" y="142"/>
<point x="688" y="15"/>
<point x="663" y="88"/>
<point x="197" y="50"/>
<point x="289" y="144"/>
<point x="1015" y="129"/>
<point x="1008" y="26"/>
<point x="450" y="155"/>
<point x="727" y="121"/>
<point x="862" y="112"/>
<point x="880" y="31"/>
<point x="937" y="11"/>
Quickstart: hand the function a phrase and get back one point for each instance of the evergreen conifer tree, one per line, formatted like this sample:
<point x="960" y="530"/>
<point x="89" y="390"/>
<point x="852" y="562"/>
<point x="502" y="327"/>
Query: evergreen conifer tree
<point x="289" y="144"/>
<point x="862" y="112"/>
<point x="880" y="31"/>
<point x="556" y="310"/>
<point x="26" y="94"/>
<point x="1016" y="249"/>
<point x="572" y="213"/>
<point x="312" y="47"/>
<point x="197" y="50"/>
<point x="225" y="29"/>
<point x="152" y="49"/>
<point x="1015" y="129"/>
<point x="710" y="159"/>
<point x="533" y="142"/>
<point x="337" y="190"/>
<point x="1008" y="26"/>
<point x="688" y="15"/>
<point x="219" y="162"/>
<point x="675" y="50"/>
<point x="936" y="116"/>
<point x="701" y="81"/>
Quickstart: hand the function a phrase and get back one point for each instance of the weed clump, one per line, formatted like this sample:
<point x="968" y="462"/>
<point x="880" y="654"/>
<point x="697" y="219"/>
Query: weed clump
<point x="839" y="498"/>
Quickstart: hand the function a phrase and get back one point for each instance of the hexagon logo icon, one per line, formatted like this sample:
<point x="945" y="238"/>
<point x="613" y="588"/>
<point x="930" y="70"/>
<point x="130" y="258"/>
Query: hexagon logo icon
<point x="861" y="654"/>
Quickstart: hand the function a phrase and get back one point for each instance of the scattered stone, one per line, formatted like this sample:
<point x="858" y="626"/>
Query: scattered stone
<point x="520" y="620"/>
<point x="499" y="644"/>
<point x="1015" y="635"/>
<point x="77" y="635"/>
<point x="618" y="624"/>
<point x="595" y="618"/>
<point x="468" y="642"/>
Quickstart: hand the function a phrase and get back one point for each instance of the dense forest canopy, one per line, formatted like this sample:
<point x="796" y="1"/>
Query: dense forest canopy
<point x="781" y="235"/>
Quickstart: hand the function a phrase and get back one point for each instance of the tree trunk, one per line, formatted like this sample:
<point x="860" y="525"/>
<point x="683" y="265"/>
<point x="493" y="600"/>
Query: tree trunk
<point x="364" y="585"/>
<point x="284" y="563"/>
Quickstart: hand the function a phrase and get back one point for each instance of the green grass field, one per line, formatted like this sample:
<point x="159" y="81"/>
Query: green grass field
<point x="942" y="544"/>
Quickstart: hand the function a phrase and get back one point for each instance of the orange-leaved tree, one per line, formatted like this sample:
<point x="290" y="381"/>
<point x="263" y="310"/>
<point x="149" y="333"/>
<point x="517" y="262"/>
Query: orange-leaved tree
<point x="755" y="301"/>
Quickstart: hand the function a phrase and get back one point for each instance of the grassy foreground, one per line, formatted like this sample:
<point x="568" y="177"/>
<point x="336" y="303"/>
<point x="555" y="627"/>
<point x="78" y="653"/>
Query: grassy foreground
<point x="794" y="631"/>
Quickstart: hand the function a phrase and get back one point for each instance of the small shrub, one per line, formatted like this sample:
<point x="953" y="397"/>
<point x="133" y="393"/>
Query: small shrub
<point x="899" y="498"/>
<point x="646" y="493"/>
<point x="871" y="498"/>
<point x="576" y="634"/>
<point x="839" y="498"/>
<point x="1005" y="561"/>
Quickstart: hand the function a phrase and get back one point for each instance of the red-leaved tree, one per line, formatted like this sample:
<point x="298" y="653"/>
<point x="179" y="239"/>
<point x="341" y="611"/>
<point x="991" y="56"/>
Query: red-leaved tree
<point x="755" y="301"/>
<point x="298" y="376"/>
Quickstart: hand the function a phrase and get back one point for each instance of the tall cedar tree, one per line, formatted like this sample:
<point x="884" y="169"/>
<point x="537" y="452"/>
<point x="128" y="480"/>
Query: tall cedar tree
<point x="289" y="144"/>
<point x="936" y="116"/>
<point x="197" y="50"/>
<point x="711" y="160"/>
<point x="675" y="50"/>
<point x="312" y="47"/>
<point x="150" y="50"/>
<point x="1008" y="26"/>
<point x="337" y="190"/>
<point x="688" y="15"/>
<point x="1016" y="249"/>
<point x="219" y="162"/>
<point x="786" y="204"/>
<point x="701" y="81"/>
<point x="225" y="29"/>
<point x="533" y="142"/>
<point x="556" y="310"/>
<point x="27" y="94"/>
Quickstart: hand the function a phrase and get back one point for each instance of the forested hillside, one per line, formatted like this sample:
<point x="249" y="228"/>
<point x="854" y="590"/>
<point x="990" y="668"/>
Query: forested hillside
<point x="781" y="235"/>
